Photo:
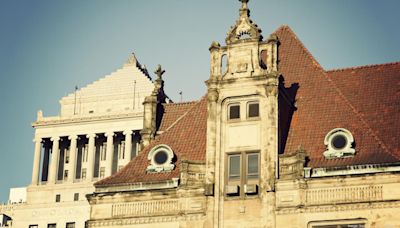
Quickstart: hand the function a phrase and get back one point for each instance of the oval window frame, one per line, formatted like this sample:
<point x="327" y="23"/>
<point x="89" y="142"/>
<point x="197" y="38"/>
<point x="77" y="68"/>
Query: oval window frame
<point x="346" y="151"/>
<point x="154" y="165"/>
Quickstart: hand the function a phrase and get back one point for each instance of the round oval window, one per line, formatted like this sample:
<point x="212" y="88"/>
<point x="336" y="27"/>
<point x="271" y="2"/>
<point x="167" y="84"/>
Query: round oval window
<point x="161" y="157"/>
<point x="339" y="142"/>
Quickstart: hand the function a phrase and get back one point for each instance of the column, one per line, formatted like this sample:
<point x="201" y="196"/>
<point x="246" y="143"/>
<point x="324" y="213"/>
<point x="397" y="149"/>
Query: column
<point x="128" y="145"/>
<point x="109" y="153"/>
<point x="72" y="158"/>
<point x="91" y="152"/>
<point x="54" y="160"/>
<point x="36" y="161"/>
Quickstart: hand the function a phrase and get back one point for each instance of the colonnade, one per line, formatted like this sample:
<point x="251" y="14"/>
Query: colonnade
<point x="51" y="167"/>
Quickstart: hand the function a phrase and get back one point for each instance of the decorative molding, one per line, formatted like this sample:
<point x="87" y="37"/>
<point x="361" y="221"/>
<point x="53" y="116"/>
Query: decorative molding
<point x="145" y="220"/>
<point x="81" y="120"/>
<point x="164" y="207"/>
<point x="344" y="195"/>
<point x="339" y="207"/>
<point x="351" y="170"/>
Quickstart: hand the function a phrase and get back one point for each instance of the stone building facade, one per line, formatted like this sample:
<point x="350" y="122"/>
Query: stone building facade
<point x="277" y="141"/>
<point x="95" y="135"/>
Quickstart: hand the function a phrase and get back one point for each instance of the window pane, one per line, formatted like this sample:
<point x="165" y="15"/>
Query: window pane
<point x="252" y="165"/>
<point x="70" y="225"/>
<point x="234" y="167"/>
<point x="253" y="110"/>
<point x="234" y="112"/>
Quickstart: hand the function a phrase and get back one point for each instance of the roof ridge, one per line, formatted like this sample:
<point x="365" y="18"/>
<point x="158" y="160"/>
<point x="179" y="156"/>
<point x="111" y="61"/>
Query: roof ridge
<point x="287" y="28"/>
<point x="182" y="103"/>
<point x="182" y="116"/>
<point x="374" y="135"/>
<point x="363" y="66"/>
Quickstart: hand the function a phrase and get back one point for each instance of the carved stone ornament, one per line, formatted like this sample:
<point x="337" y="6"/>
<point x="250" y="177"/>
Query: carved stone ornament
<point x="160" y="158"/>
<point x="212" y="95"/>
<point x="244" y="29"/>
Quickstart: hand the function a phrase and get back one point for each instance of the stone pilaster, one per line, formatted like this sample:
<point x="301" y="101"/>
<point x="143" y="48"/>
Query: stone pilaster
<point x="91" y="152"/>
<point x="54" y="160"/>
<point x="128" y="145"/>
<point x="109" y="153"/>
<point x="36" y="161"/>
<point x="72" y="157"/>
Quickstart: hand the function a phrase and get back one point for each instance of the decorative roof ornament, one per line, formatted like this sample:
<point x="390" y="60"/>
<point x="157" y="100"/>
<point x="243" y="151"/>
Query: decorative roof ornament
<point x="159" y="72"/>
<point x="131" y="61"/>
<point x="244" y="29"/>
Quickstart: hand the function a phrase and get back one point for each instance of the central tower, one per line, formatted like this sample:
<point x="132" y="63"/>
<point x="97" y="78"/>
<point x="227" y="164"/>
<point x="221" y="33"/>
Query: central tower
<point x="242" y="127"/>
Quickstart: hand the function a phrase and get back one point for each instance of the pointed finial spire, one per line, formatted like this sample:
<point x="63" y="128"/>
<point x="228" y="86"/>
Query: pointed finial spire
<point x="245" y="29"/>
<point x="159" y="72"/>
<point x="131" y="59"/>
<point x="244" y="4"/>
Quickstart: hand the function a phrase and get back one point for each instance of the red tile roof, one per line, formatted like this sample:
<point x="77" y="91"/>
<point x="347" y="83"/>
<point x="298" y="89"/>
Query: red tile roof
<point x="364" y="100"/>
<point x="328" y="100"/>
<point x="172" y="112"/>
<point x="187" y="139"/>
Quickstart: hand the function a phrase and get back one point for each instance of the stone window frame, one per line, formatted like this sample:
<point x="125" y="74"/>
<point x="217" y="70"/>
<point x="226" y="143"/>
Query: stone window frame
<point x="244" y="180"/>
<point x="155" y="167"/>
<point x="332" y="152"/>
<point x="229" y="106"/>
<point x="243" y="104"/>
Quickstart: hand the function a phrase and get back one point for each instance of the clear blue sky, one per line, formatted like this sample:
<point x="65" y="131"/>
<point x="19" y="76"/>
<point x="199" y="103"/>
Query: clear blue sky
<point x="48" y="47"/>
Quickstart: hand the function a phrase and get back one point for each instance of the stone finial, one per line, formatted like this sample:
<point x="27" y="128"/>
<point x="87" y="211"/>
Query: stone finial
<point x="159" y="72"/>
<point x="132" y="61"/>
<point x="39" y="115"/>
<point x="244" y="29"/>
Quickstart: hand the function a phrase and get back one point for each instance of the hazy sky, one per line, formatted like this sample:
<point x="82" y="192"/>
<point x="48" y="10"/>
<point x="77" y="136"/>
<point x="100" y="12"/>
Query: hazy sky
<point x="49" y="47"/>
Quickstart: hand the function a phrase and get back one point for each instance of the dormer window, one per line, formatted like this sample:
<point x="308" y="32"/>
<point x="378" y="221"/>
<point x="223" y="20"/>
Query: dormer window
<point x="339" y="144"/>
<point x="160" y="158"/>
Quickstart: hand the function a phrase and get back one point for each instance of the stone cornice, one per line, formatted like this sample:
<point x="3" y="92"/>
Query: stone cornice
<point x="81" y="120"/>
<point x="146" y="220"/>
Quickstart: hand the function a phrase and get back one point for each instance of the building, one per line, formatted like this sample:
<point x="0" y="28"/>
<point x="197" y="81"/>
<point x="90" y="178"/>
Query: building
<point x="277" y="141"/>
<point x="96" y="133"/>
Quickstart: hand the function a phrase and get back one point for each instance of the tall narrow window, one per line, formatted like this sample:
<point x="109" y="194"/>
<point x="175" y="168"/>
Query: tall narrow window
<point x="243" y="171"/>
<point x="66" y="159"/>
<point x="58" y="198"/>
<point x="234" y="167"/>
<point x="102" y="172"/>
<point x="252" y="166"/>
<point x="103" y="151"/>
<point x="234" y="111"/>
<point x="76" y="196"/>
<point x="83" y="176"/>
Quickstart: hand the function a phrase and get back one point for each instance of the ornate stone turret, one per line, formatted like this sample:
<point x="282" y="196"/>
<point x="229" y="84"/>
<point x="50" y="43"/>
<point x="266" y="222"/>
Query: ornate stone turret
<point x="242" y="122"/>
<point x="151" y="105"/>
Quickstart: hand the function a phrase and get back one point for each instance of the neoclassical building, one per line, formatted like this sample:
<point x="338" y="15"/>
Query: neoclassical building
<point x="96" y="133"/>
<point x="277" y="141"/>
